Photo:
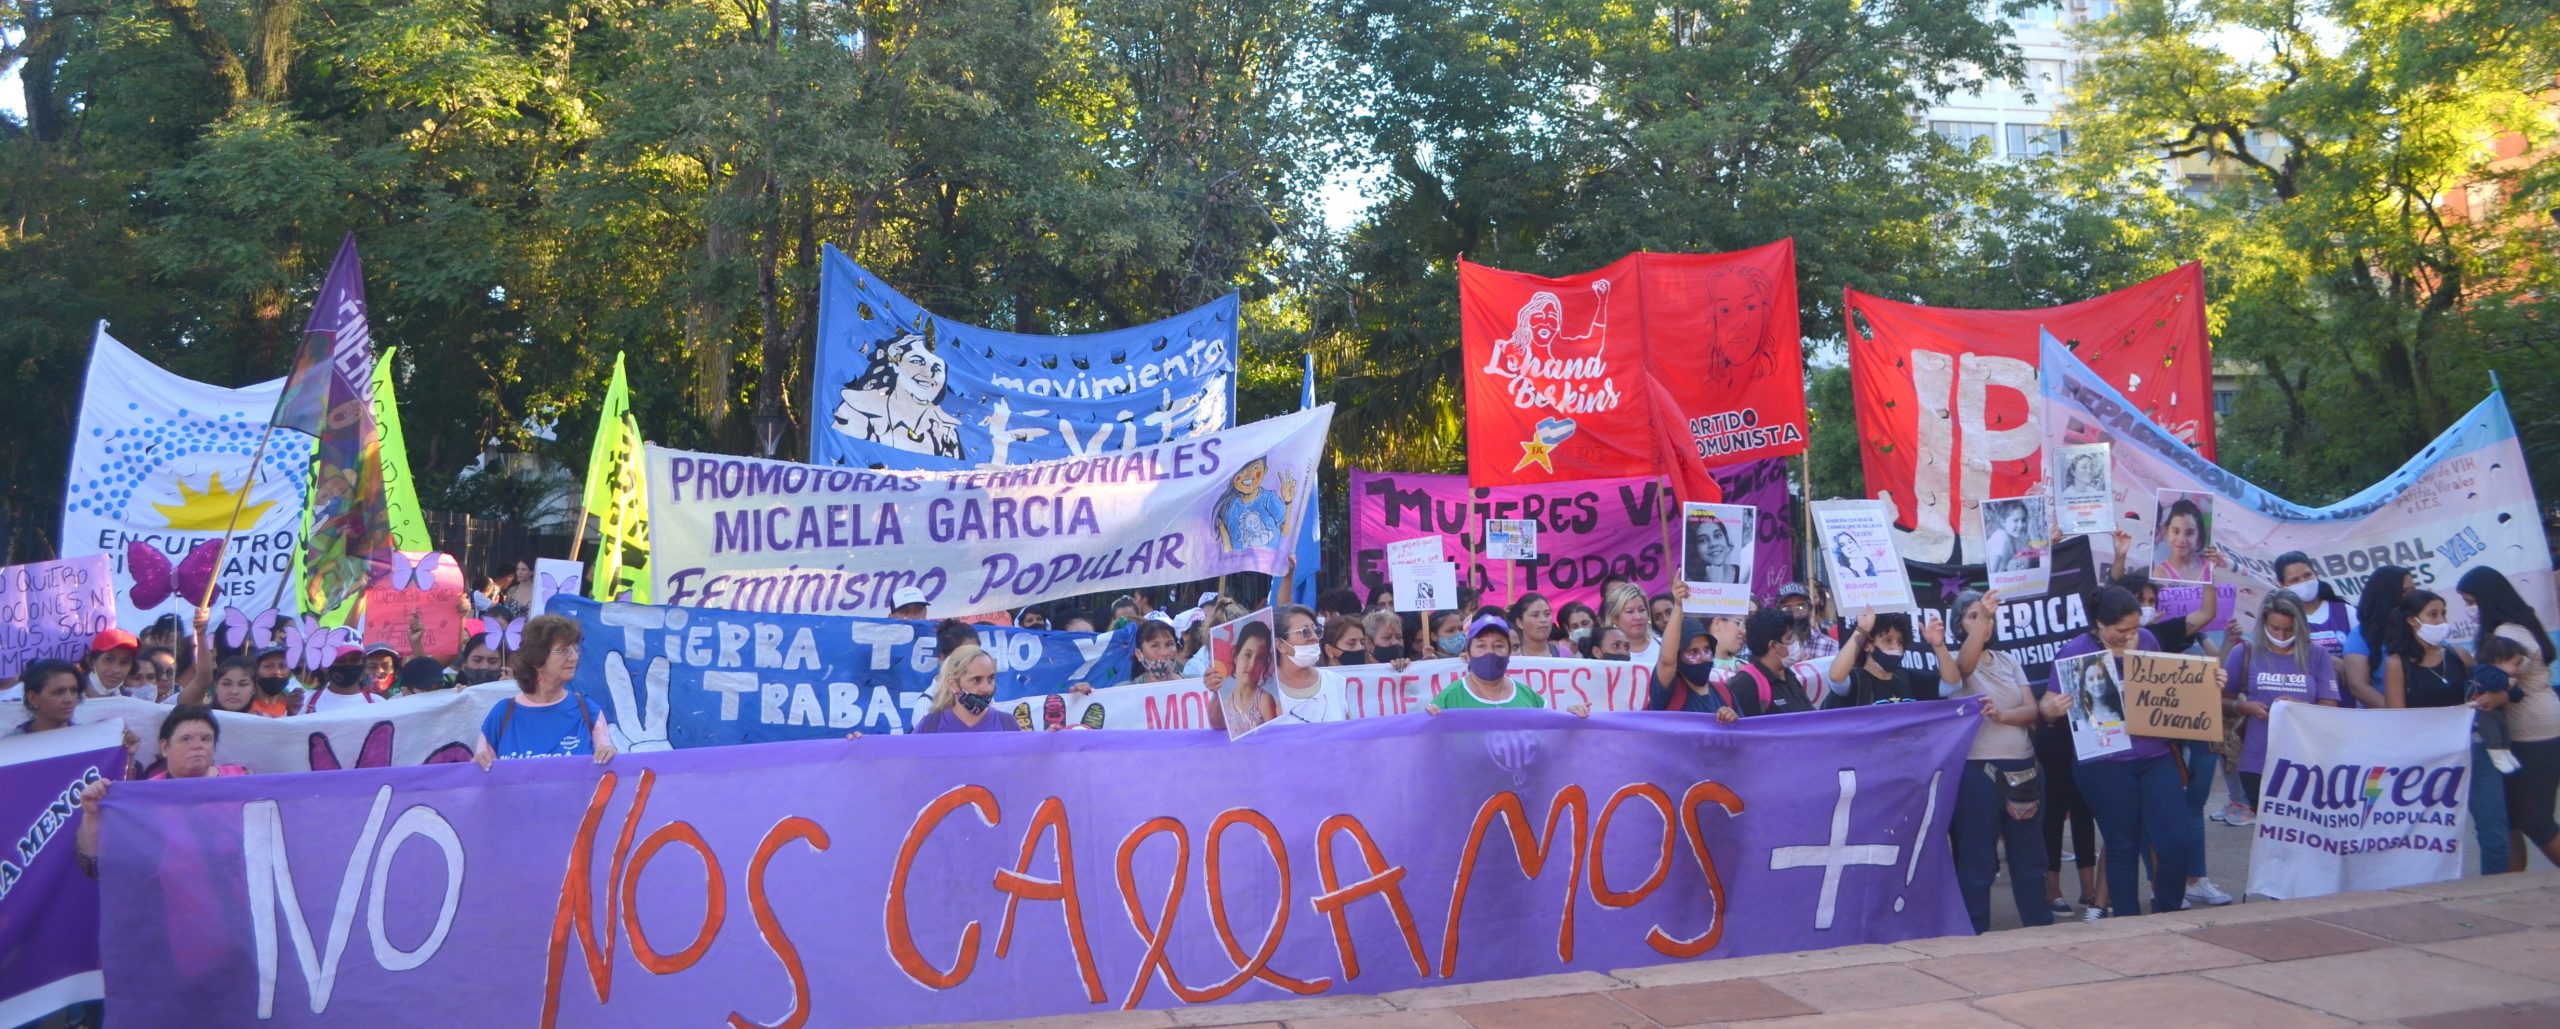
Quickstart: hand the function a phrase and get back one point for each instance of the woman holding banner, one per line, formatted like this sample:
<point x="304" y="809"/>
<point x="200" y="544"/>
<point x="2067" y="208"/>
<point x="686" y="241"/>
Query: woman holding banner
<point x="2421" y="671"/>
<point x="1346" y="642"/>
<point x="1302" y="696"/>
<point x="2533" y="722"/>
<point x="1998" y="803"/>
<point x="2279" y="664"/>
<point x="1692" y="676"/>
<point x="544" y="718"/>
<point x="1159" y="654"/>
<point x="1869" y="666"/>
<point x="2135" y="793"/>
<point x="50" y="688"/>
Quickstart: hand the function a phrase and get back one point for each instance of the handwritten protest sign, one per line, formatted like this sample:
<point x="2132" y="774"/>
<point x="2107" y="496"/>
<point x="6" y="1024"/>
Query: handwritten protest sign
<point x="732" y="868"/>
<point x="2171" y="696"/>
<point x="424" y="591"/>
<point x="750" y="534"/>
<point x="1415" y="551"/>
<point x="53" y="609"/>
<point x="1370" y="691"/>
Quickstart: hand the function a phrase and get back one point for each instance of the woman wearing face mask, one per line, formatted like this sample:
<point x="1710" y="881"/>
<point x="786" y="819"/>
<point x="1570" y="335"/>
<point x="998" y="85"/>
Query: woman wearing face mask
<point x="1158" y="654"/>
<point x="2136" y="793"/>
<point x="1448" y="638"/>
<point x="964" y="694"/>
<point x="2533" y="721"/>
<point x="2422" y="671"/>
<point x="2278" y="666"/>
<point x="1346" y="642"/>
<point x="479" y="663"/>
<point x="2367" y="649"/>
<point x="111" y="659"/>
<point x="1869" y="666"/>
<point x="1573" y="622"/>
<point x="1243" y="705"/>
<point x="1627" y="610"/>
<point x="1687" y="678"/>
<point x="2328" y="622"/>
<point x="1386" y="636"/>
<point x="1488" y="682"/>
<point x="277" y="696"/>
<point x="1999" y="802"/>
<point x="1766" y="684"/>
<point x="1303" y="697"/>
<point x="1607" y="643"/>
<point x="1537" y="622"/>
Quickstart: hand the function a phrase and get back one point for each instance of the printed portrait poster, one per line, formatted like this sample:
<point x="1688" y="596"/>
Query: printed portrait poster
<point x="1656" y="364"/>
<point x="2097" y="704"/>
<point x="1424" y="586"/>
<point x="1856" y="542"/>
<point x="1511" y="539"/>
<point x="2180" y="532"/>
<point x="2017" y="548"/>
<point x="2083" y="489"/>
<point x="1244" y="652"/>
<point x="1715" y="557"/>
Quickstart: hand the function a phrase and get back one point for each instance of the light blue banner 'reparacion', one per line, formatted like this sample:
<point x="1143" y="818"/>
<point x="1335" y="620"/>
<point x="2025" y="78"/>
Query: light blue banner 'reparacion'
<point x="900" y="387"/>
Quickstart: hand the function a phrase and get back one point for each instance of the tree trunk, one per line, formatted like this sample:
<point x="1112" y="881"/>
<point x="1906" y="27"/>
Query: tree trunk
<point x="230" y="80"/>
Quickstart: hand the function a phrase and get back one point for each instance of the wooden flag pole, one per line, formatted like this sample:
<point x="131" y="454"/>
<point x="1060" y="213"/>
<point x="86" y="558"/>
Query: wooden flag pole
<point x="239" y="502"/>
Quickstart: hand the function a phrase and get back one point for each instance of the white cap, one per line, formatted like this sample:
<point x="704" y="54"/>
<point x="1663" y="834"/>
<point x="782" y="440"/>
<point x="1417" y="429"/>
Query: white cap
<point x="1160" y="616"/>
<point x="1184" y="621"/>
<point x="906" y="595"/>
<point x="1207" y="599"/>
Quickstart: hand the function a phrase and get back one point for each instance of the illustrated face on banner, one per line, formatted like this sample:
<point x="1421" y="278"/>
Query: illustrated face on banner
<point x="912" y="390"/>
<point x="1738" y="308"/>
<point x="1547" y="370"/>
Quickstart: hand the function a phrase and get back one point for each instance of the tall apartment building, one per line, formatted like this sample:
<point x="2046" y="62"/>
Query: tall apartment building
<point x="2016" y="118"/>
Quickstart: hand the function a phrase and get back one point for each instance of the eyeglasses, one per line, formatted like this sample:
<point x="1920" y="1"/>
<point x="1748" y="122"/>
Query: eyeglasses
<point x="1303" y="632"/>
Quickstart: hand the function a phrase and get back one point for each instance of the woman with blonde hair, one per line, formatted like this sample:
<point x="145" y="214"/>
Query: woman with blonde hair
<point x="964" y="695"/>
<point x="1628" y="610"/>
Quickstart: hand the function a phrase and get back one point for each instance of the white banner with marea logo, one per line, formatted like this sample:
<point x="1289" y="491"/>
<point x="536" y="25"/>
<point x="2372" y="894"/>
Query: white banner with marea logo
<point x="2361" y="800"/>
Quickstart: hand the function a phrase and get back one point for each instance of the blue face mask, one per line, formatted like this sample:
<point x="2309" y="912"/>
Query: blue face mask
<point x="1453" y="643"/>
<point x="1488" y="667"/>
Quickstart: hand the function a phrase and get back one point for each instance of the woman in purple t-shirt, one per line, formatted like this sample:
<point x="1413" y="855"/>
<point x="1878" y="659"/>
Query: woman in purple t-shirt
<point x="964" y="695"/>
<point x="2137" y="794"/>
<point x="2280" y="664"/>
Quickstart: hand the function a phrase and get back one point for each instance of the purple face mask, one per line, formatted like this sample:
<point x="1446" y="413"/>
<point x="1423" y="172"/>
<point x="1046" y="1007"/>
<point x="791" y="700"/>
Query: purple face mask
<point x="1488" y="667"/>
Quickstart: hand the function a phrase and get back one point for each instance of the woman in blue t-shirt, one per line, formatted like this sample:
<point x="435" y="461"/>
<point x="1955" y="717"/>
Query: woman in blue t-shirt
<point x="544" y="719"/>
<point x="2136" y="794"/>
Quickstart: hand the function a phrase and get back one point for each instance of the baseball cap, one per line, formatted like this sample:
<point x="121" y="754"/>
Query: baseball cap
<point x="1207" y="599"/>
<point x="1794" y="589"/>
<point x="381" y="648"/>
<point x="347" y="652"/>
<point x="1488" y="622"/>
<point x="112" y="638"/>
<point x="906" y="595"/>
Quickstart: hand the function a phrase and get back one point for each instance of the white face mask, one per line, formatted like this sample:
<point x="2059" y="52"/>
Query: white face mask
<point x="2435" y="634"/>
<point x="2308" y="590"/>
<point x="2279" y="640"/>
<point x="2150" y="615"/>
<point x="1306" y="654"/>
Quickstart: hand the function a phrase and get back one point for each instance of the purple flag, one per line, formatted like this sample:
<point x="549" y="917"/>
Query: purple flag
<point x="48" y="906"/>
<point x="1762" y="484"/>
<point x="894" y="880"/>
<point x="330" y="395"/>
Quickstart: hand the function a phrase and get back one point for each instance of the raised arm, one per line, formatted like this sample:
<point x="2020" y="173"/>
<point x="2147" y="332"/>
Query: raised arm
<point x="200" y="675"/>
<point x="1847" y="660"/>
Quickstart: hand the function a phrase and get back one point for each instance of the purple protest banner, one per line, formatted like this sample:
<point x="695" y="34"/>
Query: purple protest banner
<point x="48" y="906"/>
<point x="956" y="877"/>
<point x="1586" y="530"/>
<point x="53" y="609"/>
<point x="1762" y="484"/>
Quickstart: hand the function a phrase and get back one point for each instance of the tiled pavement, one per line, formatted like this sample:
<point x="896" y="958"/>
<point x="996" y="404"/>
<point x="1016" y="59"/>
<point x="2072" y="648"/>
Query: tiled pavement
<point x="2481" y="952"/>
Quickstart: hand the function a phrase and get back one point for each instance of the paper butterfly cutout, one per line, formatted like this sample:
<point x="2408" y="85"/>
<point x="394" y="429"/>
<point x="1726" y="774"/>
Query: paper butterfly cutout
<point x="507" y="636"/>
<point x="418" y="575"/>
<point x="308" y="646"/>
<point x="244" y="631"/>
<point x="155" y="582"/>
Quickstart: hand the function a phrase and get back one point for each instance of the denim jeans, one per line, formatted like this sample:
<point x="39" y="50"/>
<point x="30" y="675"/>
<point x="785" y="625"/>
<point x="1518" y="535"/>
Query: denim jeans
<point x="2140" y="803"/>
<point x="2489" y="811"/>
<point x="2200" y="766"/>
<point x="1982" y="826"/>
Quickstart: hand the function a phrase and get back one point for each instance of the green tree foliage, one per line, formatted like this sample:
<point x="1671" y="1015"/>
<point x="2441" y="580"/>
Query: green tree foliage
<point x="2370" y="256"/>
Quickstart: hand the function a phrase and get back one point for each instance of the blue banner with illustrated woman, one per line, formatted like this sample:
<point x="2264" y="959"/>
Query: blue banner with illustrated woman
<point x="899" y="387"/>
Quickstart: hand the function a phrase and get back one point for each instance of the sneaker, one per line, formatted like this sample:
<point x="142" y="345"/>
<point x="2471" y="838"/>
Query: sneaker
<point x="2062" y="907"/>
<point x="2230" y="811"/>
<point x="2067" y="856"/>
<point x="2245" y="817"/>
<point x="2091" y="914"/>
<point x="2203" y="891"/>
<point x="2504" y="760"/>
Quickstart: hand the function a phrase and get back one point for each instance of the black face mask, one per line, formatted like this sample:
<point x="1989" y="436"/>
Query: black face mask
<point x="1385" y="654"/>
<point x="271" y="685"/>
<point x="1355" y="657"/>
<point x="1695" y="672"/>
<point x="976" y="702"/>
<point x="476" y="676"/>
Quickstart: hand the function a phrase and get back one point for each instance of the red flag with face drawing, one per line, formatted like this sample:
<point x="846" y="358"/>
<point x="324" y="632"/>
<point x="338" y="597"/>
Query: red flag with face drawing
<point x="1657" y="364"/>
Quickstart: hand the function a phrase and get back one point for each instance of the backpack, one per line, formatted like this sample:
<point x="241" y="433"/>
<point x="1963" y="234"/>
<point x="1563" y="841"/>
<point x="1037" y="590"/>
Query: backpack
<point x="1768" y="694"/>
<point x="586" y="722"/>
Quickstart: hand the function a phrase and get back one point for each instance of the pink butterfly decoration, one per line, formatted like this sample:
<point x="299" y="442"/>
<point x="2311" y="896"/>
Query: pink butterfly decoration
<point x="310" y="647"/>
<point x="155" y="582"/>
<point x="244" y="631"/>
<point x="419" y="575"/>
<point x="506" y="637"/>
